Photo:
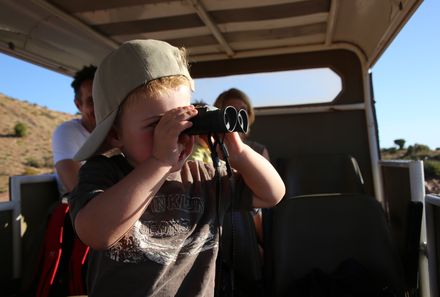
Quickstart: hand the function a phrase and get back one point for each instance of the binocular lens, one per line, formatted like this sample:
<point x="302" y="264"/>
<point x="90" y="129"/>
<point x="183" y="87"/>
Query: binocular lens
<point x="218" y="121"/>
<point x="242" y="117"/>
<point x="230" y="119"/>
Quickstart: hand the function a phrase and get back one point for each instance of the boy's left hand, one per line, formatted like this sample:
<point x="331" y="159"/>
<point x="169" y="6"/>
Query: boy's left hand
<point x="235" y="146"/>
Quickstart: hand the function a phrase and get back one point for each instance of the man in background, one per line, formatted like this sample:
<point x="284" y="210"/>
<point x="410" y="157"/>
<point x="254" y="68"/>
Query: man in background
<point x="70" y="135"/>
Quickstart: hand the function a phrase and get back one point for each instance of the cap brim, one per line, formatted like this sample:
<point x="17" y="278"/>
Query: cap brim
<point x="96" y="138"/>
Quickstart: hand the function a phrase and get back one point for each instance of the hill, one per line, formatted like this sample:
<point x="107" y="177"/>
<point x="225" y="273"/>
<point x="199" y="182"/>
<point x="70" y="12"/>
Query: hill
<point x="32" y="153"/>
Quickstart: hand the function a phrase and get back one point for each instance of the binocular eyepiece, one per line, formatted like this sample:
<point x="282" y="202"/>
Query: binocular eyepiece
<point x="223" y="120"/>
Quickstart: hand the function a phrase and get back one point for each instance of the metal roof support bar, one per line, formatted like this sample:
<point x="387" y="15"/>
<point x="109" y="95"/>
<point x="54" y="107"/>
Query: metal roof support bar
<point x="74" y="22"/>
<point x="331" y="22"/>
<point x="203" y="14"/>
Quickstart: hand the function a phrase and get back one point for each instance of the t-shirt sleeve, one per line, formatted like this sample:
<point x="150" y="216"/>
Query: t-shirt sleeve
<point x="65" y="142"/>
<point x="95" y="176"/>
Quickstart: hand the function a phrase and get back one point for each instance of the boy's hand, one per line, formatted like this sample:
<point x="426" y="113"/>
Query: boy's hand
<point x="171" y="146"/>
<point x="235" y="146"/>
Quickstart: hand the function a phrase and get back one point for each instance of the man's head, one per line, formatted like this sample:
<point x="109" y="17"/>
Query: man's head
<point x="82" y="86"/>
<point x="131" y="69"/>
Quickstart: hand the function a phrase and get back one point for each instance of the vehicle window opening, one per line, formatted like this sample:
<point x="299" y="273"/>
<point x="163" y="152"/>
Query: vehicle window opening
<point x="295" y="87"/>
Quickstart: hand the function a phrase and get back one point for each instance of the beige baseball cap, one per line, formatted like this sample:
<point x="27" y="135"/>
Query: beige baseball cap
<point x="133" y="64"/>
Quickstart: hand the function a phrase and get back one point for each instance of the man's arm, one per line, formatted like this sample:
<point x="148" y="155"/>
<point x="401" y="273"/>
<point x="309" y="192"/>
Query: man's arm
<point x="67" y="171"/>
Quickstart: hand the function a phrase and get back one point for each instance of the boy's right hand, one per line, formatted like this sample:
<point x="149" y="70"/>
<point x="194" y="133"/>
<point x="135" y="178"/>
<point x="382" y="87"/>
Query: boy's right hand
<point x="170" y="146"/>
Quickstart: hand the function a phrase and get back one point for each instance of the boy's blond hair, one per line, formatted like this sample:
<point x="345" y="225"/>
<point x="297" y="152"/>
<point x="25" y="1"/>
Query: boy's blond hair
<point x="154" y="88"/>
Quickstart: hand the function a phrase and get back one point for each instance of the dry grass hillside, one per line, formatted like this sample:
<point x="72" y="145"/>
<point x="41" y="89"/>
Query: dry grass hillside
<point x="29" y="154"/>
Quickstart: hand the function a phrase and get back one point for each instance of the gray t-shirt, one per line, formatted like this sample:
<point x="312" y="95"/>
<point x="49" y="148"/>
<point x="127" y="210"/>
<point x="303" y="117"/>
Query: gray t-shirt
<point x="171" y="250"/>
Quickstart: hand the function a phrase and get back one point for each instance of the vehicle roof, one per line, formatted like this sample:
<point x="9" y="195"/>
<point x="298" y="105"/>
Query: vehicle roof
<point x="64" y="35"/>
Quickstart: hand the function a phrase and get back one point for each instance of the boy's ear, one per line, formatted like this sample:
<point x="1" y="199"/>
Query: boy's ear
<point x="113" y="138"/>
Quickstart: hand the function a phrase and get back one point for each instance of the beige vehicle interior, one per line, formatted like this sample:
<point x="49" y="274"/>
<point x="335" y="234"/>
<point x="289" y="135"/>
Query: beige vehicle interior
<point x="342" y="201"/>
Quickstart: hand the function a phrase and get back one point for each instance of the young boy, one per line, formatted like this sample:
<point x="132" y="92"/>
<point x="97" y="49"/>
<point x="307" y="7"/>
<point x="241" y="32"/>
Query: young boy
<point x="151" y="218"/>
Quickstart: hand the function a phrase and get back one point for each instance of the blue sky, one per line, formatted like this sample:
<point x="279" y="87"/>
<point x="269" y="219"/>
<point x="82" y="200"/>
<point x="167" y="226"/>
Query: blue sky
<point x="406" y="83"/>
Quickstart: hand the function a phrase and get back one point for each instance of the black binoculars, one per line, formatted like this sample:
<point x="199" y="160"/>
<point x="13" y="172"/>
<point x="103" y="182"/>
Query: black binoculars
<point x="223" y="120"/>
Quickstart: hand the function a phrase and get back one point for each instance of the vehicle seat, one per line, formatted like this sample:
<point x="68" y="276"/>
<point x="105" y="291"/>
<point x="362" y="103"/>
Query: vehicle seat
<point x="320" y="174"/>
<point x="319" y="232"/>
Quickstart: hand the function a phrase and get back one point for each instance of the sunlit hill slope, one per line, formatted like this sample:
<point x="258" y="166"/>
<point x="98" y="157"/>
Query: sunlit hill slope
<point x="28" y="151"/>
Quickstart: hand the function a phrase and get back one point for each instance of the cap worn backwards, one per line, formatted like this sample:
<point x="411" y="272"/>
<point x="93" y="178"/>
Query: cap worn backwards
<point x="133" y="64"/>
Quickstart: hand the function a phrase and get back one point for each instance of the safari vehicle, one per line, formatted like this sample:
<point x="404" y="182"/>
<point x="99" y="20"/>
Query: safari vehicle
<point x="342" y="201"/>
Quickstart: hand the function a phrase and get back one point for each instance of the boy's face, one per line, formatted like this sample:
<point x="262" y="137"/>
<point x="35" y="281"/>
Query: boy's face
<point x="139" y="119"/>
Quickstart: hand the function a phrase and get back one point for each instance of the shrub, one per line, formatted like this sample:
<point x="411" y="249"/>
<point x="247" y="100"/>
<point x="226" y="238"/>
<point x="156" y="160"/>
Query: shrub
<point x="48" y="162"/>
<point x="20" y="129"/>
<point x="30" y="171"/>
<point x="421" y="148"/>
<point x="417" y="151"/>
<point x="390" y="150"/>
<point x="432" y="169"/>
<point x="33" y="163"/>
<point x="400" y="143"/>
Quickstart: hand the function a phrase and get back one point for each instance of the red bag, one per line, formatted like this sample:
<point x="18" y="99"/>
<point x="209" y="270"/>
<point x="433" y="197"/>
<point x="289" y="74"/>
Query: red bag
<point x="62" y="257"/>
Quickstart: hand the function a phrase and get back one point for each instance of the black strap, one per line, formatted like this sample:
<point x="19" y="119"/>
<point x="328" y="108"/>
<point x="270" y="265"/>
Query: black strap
<point x="223" y="287"/>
